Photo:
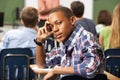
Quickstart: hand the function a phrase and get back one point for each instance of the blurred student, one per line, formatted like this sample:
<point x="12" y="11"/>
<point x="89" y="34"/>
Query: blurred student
<point x="104" y="19"/>
<point x="80" y="55"/>
<point x="23" y="38"/>
<point x="78" y="10"/>
<point x="43" y="8"/>
<point x="114" y="41"/>
<point x="112" y="34"/>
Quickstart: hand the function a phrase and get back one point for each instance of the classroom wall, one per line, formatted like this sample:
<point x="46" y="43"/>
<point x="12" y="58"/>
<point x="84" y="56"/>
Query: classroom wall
<point x="88" y="5"/>
<point x="8" y="7"/>
<point x="92" y="7"/>
<point x="32" y="3"/>
<point x="103" y="4"/>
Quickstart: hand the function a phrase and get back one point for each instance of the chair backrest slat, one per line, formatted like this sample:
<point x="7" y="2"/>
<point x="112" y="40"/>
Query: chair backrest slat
<point x="17" y="59"/>
<point x="113" y="61"/>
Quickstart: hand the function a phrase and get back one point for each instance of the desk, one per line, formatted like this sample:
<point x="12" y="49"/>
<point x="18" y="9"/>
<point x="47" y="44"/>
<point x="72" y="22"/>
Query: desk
<point x="40" y="72"/>
<point x="44" y="71"/>
<point x="110" y="76"/>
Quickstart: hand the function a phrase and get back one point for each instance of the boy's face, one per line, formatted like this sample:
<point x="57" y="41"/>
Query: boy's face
<point x="62" y="26"/>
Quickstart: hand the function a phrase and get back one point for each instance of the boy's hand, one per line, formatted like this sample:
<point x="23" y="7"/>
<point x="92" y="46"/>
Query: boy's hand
<point x="44" y="32"/>
<point x="49" y="76"/>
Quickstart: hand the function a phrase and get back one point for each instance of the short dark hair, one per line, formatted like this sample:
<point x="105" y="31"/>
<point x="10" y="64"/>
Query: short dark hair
<point x="104" y="17"/>
<point x="77" y="8"/>
<point x="67" y="12"/>
<point x="29" y="15"/>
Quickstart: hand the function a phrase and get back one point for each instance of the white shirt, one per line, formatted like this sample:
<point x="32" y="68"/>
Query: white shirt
<point x="99" y="28"/>
<point x="19" y="38"/>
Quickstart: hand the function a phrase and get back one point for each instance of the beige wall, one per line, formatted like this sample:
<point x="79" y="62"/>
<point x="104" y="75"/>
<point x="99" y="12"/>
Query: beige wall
<point x="88" y="5"/>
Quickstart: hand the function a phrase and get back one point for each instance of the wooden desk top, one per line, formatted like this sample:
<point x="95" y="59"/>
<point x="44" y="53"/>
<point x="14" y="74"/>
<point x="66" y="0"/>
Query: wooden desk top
<point x="110" y="76"/>
<point x="38" y="70"/>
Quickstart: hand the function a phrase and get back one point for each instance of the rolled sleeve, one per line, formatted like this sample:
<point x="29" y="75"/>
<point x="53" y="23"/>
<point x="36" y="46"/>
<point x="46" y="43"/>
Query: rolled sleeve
<point x="88" y="68"/>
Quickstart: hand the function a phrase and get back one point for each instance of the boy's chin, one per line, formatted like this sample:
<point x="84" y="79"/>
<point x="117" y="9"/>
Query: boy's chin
<point x="58" y="40"/>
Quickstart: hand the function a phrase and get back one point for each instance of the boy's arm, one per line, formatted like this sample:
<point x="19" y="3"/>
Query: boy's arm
<point x="40" y="56"/>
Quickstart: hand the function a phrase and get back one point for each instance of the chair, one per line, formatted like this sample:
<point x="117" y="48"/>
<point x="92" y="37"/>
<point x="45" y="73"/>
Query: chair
<point x="50" y="43"/>
<point x="112" y="61"/>
<point x="14" y="63"/>
<point x="113" y="65"/>
<point x="112" y="51"/>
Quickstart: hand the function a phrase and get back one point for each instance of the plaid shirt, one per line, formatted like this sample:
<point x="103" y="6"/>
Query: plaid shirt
<point x="79" y="51"/>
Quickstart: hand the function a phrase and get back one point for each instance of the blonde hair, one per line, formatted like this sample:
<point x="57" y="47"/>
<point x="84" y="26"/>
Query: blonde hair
<point x="114" y="41"/>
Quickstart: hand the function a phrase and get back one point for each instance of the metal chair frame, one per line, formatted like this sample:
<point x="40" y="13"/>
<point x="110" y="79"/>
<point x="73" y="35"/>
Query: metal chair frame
<point x="16" y="55"/>
<point x="16" y="52"/>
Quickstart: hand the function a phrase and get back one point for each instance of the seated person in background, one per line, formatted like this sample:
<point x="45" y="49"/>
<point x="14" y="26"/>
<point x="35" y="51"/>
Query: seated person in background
<point x="104" y="37"/>
<point x="110" y="36"/>
<point x="78" y="10"/>
<point x="80" y="53"/>
<point x="43" y="9"/>
<point x="23" y="38"/>
<point x="104" y="19"/>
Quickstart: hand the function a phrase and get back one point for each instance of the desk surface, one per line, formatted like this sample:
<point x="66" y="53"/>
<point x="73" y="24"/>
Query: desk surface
<point x="110" y="76"/>
<point x="38" y="70"/>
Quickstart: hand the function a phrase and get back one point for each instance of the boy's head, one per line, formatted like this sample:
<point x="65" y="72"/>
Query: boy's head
<point x="62" y="20"/>
<point x="77" y="8"/>
<point x="29" y="16"/>
<point x="104" y="17"/>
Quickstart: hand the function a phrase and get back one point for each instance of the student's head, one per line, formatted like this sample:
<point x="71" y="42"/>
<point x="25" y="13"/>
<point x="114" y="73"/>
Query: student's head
<point x="62" y="20"/>
<point x="116" y="16"/>
<point x="104" y="17"/>
<point x="77" y="8"/>
<point x="115" y="28"/>
<point x="29" y="16"/>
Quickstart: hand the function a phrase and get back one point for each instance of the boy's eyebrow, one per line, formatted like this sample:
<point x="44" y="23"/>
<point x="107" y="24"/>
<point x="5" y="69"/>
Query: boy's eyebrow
<point x="57" y="21"/>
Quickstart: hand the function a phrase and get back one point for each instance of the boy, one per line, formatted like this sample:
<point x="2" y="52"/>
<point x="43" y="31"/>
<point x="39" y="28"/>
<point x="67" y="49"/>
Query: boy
<point x="79" y="55"/>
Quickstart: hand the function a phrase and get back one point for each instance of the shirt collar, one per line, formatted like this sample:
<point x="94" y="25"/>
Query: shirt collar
<point x="30" y="30"/>
<point x="75" y="34"/>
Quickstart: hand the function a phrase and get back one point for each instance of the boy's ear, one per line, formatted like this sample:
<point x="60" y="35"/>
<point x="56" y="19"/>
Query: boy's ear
<point x="73" y="19"/>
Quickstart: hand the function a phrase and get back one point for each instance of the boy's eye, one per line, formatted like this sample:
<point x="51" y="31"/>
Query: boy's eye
<point x="58" y="23"/>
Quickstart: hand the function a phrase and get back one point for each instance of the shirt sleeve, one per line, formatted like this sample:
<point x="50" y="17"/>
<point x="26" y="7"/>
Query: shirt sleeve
<point x="53" y="58"/>
<point x="5" y="41"/>
<point x="90" y="58"/>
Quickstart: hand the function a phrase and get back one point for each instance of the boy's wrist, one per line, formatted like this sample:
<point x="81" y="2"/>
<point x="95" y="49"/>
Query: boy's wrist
<point x="39" y="43"/>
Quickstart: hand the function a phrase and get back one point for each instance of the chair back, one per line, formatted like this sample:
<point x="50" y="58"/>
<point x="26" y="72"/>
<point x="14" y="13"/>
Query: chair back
<point x="113" y="51"/>
<point x="50" y="43"/>
<point x="113" y="65"/>
<point x="14" y="64"/>
<point x="113" y="61"/>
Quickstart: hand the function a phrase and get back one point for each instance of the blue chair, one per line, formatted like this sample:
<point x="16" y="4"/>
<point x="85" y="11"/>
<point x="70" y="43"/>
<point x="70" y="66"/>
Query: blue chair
<point x="113" y="61"/>
<point x="14" y="64"/>
<point x="50" y="43"/>
<point x="113" y="65"/>
<point x="112" y="51"/>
